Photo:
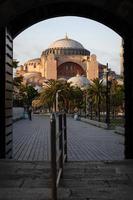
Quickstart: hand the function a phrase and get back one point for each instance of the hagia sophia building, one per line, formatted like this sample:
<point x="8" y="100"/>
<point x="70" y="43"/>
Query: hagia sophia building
<point x="63" y="59"/>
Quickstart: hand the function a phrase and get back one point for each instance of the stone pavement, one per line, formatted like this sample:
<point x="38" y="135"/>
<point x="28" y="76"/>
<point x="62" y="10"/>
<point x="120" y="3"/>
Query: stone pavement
<point x="85" y="142"/>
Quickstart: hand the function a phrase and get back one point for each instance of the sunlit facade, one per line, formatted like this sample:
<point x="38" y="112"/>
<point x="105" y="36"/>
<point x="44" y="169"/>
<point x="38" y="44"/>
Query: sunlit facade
<point x="64" y="58"/>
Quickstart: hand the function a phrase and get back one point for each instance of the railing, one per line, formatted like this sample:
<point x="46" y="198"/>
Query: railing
<point x="58" y="149"/>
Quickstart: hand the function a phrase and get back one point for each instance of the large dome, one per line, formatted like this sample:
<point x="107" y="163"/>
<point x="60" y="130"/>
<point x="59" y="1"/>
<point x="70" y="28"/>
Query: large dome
<point x="66" y="43"/>
<point x="66" y="46"/>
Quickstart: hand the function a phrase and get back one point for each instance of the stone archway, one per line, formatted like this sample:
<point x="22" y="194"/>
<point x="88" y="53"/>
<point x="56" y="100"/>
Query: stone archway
<point x="18" y="15"/>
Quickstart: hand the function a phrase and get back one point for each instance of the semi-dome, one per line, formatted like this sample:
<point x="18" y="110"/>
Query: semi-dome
<point x="29" y="75"/>
<point x="66" y="43"/>
<point x="79" y="81"/>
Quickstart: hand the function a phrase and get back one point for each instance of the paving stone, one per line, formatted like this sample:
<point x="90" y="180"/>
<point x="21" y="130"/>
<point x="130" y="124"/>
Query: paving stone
<point x="85" y="141"/>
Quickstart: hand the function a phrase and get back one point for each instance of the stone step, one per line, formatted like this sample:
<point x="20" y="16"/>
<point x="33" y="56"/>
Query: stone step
<point x="81" y="181"/>
<point x="98" y="164"/>
<point x="97" y="193"/>
<point x="24" y="174"/>
<point x="99" y="180"/>
<point x="25" y="193"/>
<point x="23" y="167"/>
<point x="32" y="193"/>
<point x="101" y="193"/>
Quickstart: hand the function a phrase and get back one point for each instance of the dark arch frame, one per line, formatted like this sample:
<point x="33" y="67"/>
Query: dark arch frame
<point x="58" y="9"/>
<point x="18" y="15"/>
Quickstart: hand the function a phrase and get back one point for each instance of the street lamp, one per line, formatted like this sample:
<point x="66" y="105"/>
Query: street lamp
<point x="87" y="60"/>
<point x="90" y="107"/>
<point x="57" y="100"/>
<point x="85" y="99"/>
<point x="108" y="85"/>
<point x="85" y="94"/>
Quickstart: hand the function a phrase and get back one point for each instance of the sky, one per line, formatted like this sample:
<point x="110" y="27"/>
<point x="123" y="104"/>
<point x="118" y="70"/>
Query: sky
<point x="94" y="36"/>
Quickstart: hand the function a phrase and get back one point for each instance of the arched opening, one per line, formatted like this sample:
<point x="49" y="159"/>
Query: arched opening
<point x="23" y="18"/>
<point x="17" y="16"/>
<point x="69" y="55"/>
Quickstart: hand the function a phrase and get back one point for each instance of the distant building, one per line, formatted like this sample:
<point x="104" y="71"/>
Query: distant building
<point x="64" y="59"/>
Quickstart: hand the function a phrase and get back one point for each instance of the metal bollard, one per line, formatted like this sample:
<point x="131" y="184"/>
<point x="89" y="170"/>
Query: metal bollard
<point x="53" y="156"/>
<point x="61" y="143"/>
<point x="65" y="135"/>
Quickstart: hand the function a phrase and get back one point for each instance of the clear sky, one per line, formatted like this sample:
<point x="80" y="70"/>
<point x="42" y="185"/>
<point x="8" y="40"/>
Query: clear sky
<point x="94" y="36"/>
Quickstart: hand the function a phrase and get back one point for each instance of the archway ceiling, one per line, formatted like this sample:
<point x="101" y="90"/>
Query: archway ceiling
<point x="116" y="14"/>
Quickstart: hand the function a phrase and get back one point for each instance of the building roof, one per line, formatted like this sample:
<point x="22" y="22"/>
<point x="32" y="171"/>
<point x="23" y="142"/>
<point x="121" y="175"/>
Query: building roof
<point x="66" y="43"/>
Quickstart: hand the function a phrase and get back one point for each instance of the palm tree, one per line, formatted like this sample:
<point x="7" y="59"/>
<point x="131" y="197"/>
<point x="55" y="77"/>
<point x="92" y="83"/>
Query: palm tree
<point x="48" y="94"/>
<point x="76" y="98"/>
<point x="69" y="97"/>
<point x="65" y="95"/>
<point x="95" y="92"/>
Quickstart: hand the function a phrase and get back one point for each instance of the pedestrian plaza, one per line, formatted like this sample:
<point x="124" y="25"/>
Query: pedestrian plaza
<point x="31" y="141"/>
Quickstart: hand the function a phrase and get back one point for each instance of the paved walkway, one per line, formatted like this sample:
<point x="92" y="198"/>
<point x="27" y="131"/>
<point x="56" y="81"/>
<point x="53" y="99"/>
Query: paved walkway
<point x="85" y="142"/>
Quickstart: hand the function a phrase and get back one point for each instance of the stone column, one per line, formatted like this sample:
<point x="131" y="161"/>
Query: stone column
<point x="87" y="66"/>
<point x="92" y="67"/>
<point x="51" y="67"/>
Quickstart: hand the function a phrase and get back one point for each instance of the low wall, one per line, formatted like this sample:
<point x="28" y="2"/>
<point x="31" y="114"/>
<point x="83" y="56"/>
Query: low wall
<point x="120" y="130"/>
<point x="18" y="113"/>
<point x="96" y="123"/>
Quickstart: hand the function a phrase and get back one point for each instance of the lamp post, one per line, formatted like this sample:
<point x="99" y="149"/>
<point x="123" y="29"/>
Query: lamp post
<point x="86" y="103"/>
<point x="90" y="107"/>
<point x="108" y="84"/>
<point x="57" y="100"/>
<point x="85" y="96"/>
<point x="87" y="60"/>
<point x="85" y="100"/>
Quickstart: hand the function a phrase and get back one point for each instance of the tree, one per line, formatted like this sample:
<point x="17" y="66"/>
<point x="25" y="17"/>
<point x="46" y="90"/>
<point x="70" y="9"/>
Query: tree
<point x="48" y="94"/>
<point x="17" y="84"/>
<point x="95" y="93"/>
<point x="69" y="96"/>
<point x="17" y="81"/>
<point x="15" y="63"/>
<point x="28" y="94"/>
<point x="75" y="98"/>
<point x="117" y="98"/>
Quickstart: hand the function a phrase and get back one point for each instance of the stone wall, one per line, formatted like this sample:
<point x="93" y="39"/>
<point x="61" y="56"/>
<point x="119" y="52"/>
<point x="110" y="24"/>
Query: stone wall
<point x="95" y="123"/>
<point x="120" y="130"/>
